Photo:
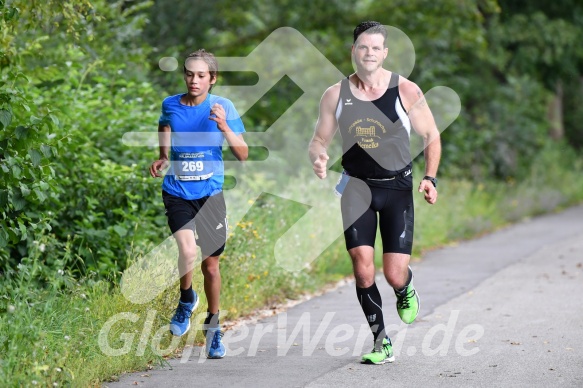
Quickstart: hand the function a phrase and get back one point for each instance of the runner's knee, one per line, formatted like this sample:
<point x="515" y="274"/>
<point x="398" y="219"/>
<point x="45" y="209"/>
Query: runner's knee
<point x="210" y="267"/>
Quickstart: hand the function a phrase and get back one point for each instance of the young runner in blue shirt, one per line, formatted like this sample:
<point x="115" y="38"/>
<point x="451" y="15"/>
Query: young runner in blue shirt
<point x="191" y="130"/>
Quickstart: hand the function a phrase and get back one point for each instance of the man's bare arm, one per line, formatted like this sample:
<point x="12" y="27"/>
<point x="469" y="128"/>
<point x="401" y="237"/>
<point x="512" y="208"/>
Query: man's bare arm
<point x="423" y="123"/>
<point x="324" y="131"/>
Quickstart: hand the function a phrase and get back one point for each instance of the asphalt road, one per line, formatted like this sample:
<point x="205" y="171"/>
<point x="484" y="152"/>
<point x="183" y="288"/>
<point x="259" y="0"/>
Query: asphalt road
<point x="503" y="310"/>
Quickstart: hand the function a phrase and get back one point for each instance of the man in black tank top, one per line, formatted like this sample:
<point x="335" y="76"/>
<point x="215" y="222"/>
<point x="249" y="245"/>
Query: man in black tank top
<point x="375" y="111"/>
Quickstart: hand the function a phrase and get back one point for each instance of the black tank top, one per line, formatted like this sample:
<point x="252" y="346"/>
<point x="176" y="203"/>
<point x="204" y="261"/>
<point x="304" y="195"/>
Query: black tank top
<point x="375" y="134"/>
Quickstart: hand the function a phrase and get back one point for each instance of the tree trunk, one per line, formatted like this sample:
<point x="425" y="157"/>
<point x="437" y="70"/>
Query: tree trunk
<point x="555" y="113"/>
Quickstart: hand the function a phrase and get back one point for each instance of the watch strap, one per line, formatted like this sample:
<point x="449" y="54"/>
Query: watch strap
<point x="431" y="179"/>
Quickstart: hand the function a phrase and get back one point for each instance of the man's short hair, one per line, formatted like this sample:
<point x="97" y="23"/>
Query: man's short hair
<point x="370" y="27"/>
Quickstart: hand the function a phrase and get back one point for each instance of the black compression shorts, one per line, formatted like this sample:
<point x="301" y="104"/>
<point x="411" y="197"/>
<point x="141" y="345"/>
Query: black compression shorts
<point x="207" y="216"/>
<point x="361" y="204"/>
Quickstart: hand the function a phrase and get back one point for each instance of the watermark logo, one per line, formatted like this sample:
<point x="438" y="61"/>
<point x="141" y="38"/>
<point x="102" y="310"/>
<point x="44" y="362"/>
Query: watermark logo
<point x="307" y="336"/>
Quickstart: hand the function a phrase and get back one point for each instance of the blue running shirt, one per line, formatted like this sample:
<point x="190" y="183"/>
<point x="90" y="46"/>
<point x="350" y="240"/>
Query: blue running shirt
<point x="196" y="156"/>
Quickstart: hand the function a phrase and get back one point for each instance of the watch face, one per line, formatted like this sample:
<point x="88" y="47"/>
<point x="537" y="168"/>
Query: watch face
<point x="432" y="180"/>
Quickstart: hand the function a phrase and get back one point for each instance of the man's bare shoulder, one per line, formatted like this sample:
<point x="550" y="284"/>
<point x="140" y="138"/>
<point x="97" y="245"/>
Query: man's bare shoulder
<point x="331" y="95"/>
<point x="409" y="91"/>
<point x="333" y="91"/>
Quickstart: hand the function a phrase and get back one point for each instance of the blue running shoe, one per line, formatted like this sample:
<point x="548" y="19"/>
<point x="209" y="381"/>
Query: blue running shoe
<point x="180" y="322"/>
<point x="216" y="349"/>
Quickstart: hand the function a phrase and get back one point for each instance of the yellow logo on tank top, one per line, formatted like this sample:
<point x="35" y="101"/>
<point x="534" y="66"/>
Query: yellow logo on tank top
<point x="365" y="136"/>
<point x="364" y="132"/>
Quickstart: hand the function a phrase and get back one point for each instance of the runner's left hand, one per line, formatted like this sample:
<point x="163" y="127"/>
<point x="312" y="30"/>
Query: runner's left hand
<point x="429" y="191"/>
<point x="219" y="116"/>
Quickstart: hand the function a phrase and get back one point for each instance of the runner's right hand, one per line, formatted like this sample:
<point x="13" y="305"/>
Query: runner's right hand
<point x="157" y="166"/>
<point x="320" y="165"/>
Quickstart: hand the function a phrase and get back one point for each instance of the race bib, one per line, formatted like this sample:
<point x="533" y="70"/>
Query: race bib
<point x="195" y="166"/>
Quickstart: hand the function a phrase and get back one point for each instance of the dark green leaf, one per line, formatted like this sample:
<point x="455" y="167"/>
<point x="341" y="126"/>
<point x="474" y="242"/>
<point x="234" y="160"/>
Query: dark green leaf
<point x="3" y="238"/>
<point x="54" y="119"/>
<point x="3" y="198"/>
<point x="21" y="132"/>
<point x="120" y="230"/>
<point x="16" y="172"/>
<point x="12" y="235"/>
<point x="22" y="76"/>
<point x="18" y="201"/>
<point x="40" y="195"/>
<point x="46" y="150"/>
<point x="24" y="189"/>
<point x="23" y="231"/>
<point x="35" y="157"/>
<point x="10" y="14"/>
<point x="5" y="118"/>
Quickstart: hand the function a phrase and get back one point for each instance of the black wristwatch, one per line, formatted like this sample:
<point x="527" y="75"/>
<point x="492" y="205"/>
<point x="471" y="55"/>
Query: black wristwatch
<point x="431" y="179"/>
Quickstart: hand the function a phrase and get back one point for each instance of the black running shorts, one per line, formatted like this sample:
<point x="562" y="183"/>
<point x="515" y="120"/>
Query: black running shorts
<point x="361" y="204"/>
<point x="206" y="216"/>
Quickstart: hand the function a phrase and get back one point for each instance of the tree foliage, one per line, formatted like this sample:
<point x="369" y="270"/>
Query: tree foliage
<point x="68" y="94"/>
<point x="76" y="75"/>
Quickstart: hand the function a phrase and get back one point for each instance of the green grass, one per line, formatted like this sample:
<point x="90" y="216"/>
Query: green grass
<point x="468" y="209"/>
<point x="57" y="334"/>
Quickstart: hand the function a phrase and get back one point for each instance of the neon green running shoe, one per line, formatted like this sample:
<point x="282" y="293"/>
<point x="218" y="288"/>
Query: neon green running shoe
<point x="380" y="356"/>
<point x="408" y="304"/>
